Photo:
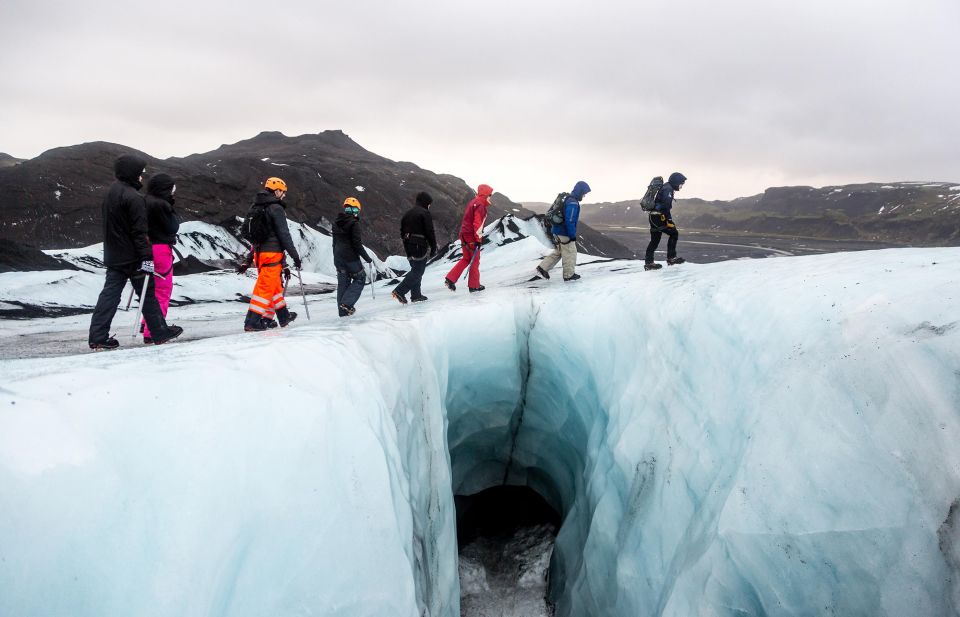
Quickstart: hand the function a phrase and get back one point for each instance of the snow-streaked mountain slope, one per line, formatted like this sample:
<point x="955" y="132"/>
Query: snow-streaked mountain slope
<point x="773" y="437"/>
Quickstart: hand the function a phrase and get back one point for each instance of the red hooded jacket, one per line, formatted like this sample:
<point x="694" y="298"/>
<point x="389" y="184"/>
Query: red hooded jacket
<point x="476" y="214"/>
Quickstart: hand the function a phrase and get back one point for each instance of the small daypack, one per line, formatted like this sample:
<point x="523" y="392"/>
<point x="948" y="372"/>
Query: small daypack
<point x="256" y="227"/>
<point x="649" y="201"/>
<point x="555" y="215"/>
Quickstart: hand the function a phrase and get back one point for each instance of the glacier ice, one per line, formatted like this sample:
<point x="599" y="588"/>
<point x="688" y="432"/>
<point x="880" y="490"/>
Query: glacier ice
<point x="773" y="437"/>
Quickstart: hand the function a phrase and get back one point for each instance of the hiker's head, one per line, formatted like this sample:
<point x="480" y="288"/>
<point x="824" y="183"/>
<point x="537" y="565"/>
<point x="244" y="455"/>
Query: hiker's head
<point x="423" y="199"/>
<point x="351" y="205"/>
<point x="580" y="190"/>
<point x="161" y="185"/>
<point x="484" y="190"/>
<point x="676" y="180"/>
<point x="129" y="168"/>
<point x="278" y="186"/>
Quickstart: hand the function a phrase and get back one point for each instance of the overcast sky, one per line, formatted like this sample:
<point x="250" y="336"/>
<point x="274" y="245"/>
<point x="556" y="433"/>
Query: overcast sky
<point x="526" y="96"/>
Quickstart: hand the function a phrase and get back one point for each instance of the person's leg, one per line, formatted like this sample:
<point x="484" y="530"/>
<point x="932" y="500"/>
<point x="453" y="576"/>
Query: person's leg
<point x="163" y="288"/>
<point x="415" y="277"/>
<point x="106" y="307"/>
<point x="152" y="314"/>
<point x="406" y="284"/>
<point x="473" y="279"/>
<point x="261" y="296"/>
<point x="569" y="254"/>
<point x="355" y="288"/>
<point x="460" y="266"/>
<point x="654" y="243"/>
<point x="551" y="260"/>
<point x="672" y="242"/>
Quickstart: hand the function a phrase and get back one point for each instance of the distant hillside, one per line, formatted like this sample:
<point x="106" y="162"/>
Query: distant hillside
<point x="53" y="201"/>
<point x="917" y="213"/>
<point x="8" y="161"/>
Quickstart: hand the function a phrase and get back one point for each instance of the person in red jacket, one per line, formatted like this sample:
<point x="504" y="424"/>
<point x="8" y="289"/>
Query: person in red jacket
<point x="471" y="236"/>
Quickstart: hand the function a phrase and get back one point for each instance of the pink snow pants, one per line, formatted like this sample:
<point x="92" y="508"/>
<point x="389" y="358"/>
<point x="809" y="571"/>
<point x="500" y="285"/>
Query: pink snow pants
<point x="163" y="289"/>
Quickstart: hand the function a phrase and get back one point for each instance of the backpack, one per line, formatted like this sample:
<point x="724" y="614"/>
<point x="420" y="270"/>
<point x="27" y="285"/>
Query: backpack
<point x="649" y="201"/>
<point x="554" y="215"/>
<point x="256" y="228"/>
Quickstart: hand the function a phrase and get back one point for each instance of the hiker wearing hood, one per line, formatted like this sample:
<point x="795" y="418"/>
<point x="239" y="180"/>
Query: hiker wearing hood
<point x="420" y="244"/>
<point x="565" y="236"/>
<point x="661" y="222"/>
<point x="162" y="226"/>
<point x="267" y="255"/>
<point x="471" y="237"/>
<point x="348" y="250"/>
<point x="128" y="256"/>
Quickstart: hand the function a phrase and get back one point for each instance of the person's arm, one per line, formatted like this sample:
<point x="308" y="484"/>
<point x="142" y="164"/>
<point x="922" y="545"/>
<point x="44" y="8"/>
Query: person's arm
<point x="430" y="233"/>
<point x="137" y="215"/>
<point x="279" y="220"/>
<point x="358" y="243"/>
<point x="570" y="218"/>
<point x="479" y="217"/>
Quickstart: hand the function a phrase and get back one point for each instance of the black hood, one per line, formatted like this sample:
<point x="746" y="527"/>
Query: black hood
<point x="265" y="198"/>
<point x="161" y="185"/>
<point x="344" y="220"/>
<point x="128" y="168"/>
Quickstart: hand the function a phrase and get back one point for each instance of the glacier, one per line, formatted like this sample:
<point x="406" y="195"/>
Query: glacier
<point x="766" y="437"/>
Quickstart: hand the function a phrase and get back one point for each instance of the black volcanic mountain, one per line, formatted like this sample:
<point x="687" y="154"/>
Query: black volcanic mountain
<point x="53" y="200"/>
<point x="915" y="213"/>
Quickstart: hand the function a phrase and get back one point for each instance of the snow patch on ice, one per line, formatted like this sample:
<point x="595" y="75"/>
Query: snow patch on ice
<point x="360" y="189"/>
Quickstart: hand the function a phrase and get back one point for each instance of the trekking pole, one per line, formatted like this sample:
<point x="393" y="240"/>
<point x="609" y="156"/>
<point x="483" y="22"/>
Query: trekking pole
<point x="136" y="322"/>
<point x="303" y="294"/>
<point x="373" y="293"/>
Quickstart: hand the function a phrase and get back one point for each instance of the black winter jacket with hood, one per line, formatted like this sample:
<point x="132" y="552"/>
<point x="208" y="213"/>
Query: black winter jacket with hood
<point x="347" y="245"/>
<point x="162" y="220"/>
<point x="416" y="230"/>
<point x="124" y="211"/>
<point x="279" y="238"/>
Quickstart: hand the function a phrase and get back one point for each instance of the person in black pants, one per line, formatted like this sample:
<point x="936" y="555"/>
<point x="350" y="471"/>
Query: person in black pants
<point x="420" y="244"/>
<point x="661" y="222"/>
<point x="347" y="252"/>
<point x="128" y="256"/>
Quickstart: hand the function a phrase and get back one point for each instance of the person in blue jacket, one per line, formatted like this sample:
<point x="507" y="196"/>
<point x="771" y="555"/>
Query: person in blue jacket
<point x="565" y="236"/>
<point x="661" y="222"/>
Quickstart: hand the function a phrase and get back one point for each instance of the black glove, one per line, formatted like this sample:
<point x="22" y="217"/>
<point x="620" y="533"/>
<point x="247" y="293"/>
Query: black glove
<point x="297" y="263"/>
<point x="244" y="265"/>
<point x="286" y="274"/>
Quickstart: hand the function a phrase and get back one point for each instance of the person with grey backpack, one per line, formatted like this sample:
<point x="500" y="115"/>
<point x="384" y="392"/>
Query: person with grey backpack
<point x="661" y="220"/>
<point x="563" y="216"/>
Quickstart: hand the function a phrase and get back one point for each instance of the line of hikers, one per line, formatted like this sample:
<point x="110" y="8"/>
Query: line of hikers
<point x="140" y="232"/>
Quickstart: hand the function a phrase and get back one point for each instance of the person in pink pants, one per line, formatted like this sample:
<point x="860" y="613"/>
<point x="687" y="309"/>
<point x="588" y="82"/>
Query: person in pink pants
<point x="471" y="236"/>
<point x="162" y="226"/>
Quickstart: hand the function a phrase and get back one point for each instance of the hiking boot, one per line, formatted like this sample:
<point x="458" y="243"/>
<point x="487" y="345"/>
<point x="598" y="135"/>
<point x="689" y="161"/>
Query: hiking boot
<point x="346" y="311"/>
<point x="171" y="333"/>
<point x="419" y="299"/>
<point x="399" y="297"/>
<point x="148" y="340"/>
<point x="450" y="284"/>
<point x="269" y="323"/>
<point x="110" y="343"/>
<point x="476" y="289"/>
<point x="575" y="277"/>
<point x="285" y="316"/>
<point x="675" y="261"/>
<point x="543" y="273"/>
<point x="652" y="266"/>
<point x="254" y="322"/>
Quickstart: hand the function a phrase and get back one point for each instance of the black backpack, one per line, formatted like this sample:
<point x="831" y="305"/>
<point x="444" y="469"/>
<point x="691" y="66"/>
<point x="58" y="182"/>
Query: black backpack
<point x="554" y="215"/>
<point x="256" y="227"/>
<point x="649" y="201"/>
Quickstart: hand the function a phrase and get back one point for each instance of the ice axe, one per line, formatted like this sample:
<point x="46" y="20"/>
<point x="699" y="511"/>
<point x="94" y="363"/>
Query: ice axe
<point x="473" y="258"/>
<point x="303" y="294"/>
<point x="373" y="293"/>
<point x="146" y="279"/>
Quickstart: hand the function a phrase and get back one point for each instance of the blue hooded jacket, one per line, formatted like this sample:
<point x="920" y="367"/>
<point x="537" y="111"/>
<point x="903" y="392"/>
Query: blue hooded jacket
<point x="664" y="201"/>
<point x="571" y="211"/>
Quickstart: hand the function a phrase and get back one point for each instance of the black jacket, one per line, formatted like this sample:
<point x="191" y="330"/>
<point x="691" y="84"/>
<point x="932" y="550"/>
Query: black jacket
<point x="416" y="230"/>
<point x="162" y="221"/>
<point x="124" y="212"/>
<point x="279" y="238"/>
<point x="347" y="245"/>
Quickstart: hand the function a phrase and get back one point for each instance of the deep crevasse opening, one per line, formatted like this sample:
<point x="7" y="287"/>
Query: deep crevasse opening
<point x="758" y="439"/>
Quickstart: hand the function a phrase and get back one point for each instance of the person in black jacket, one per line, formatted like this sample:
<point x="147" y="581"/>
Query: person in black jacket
<point x="347" y="252"/>
<point x="420" y="244"/>
<point x="162" y="226"/>
<point x="267" y="255"/>
<point x="661" y="222"/>
<point x="128" y="256"/>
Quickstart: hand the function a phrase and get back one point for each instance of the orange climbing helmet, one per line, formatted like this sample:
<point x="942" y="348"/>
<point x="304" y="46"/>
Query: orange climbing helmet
<point x="352" y="202"/>
<point x="275" y="184"/>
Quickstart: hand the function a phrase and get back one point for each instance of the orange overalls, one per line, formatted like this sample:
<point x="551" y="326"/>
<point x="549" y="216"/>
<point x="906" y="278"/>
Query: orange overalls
<point x="267" y="296"/>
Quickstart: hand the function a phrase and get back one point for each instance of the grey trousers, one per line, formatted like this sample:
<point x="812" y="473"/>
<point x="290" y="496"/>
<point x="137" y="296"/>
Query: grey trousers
<point x="566" y="250"/>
